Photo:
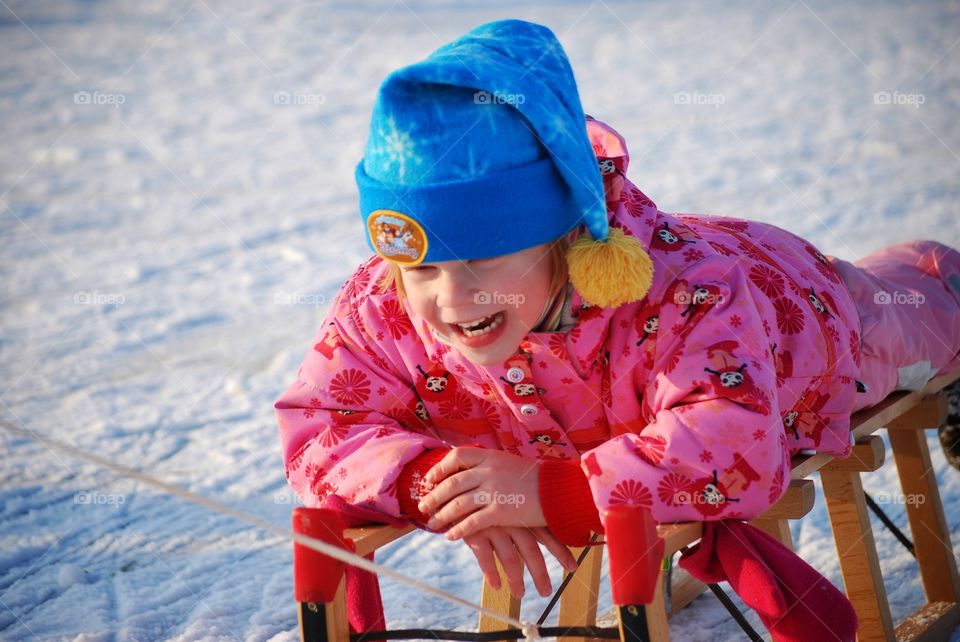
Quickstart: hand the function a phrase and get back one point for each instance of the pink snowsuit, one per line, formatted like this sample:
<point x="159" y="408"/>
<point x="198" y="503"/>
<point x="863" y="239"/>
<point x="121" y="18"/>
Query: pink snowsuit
<point x="746" y="350"/>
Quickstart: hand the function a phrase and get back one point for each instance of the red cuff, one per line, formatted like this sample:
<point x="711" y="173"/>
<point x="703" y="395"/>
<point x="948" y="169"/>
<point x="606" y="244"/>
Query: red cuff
<point x="410" y="484"/>
<point x="568" y="503"/>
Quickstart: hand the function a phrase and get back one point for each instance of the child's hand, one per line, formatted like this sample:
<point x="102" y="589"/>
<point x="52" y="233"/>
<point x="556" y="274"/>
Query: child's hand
<point x="479" y="488"/>
<point x="517" y="548"/>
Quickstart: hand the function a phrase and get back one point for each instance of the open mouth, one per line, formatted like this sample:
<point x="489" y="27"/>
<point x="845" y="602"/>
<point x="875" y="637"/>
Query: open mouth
<point x="479" y="327"/>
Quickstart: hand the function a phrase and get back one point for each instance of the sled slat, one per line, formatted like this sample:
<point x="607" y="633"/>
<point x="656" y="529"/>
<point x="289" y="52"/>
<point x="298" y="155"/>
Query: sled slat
<point x="929" y="413"/>
<point x="657" y="625"/>
<point x="578" y="603"/>
<point x="795" y="503"/>
<point x="930" y="623"/>
<point x="369" y="538"/>
<point x="676" y="536"/>
<point x="857" y="551"/>
<point x="779" y="529"/>
<point x="499" y="600"/>
<point x="866" y="456"/>
<point x="684" y="589"/>
<point x="931" y="535"/>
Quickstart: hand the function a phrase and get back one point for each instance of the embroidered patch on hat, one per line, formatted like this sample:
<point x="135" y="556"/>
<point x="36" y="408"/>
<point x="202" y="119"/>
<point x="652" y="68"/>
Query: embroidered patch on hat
<point x="397" y="237"/>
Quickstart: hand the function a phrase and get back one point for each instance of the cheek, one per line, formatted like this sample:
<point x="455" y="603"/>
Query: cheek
<point x="535" y="288"/>
<point x="420" y="301"/>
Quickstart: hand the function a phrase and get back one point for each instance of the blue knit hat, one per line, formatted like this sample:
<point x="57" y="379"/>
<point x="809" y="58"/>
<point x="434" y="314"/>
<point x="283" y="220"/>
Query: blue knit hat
<point x="481" y="150"/>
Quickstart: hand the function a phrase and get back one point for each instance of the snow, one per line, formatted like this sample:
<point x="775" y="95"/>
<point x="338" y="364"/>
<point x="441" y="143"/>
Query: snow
<point x="177" y="209"/>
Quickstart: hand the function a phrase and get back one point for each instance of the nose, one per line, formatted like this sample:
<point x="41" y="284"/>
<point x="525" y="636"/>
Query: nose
<point x="457" y="288"/>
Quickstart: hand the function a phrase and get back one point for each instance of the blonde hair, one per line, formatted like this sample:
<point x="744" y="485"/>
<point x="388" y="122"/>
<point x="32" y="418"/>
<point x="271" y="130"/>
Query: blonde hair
<point x="557" y="254"/>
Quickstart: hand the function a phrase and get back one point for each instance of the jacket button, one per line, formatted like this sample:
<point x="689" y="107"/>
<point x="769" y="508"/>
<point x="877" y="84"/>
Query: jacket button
<point x="528" y="410"/>
<point x="514" y="375"/>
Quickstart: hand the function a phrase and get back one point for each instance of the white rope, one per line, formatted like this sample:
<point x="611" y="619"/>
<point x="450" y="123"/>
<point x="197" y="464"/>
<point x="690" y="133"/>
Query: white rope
<point x="529" y="630"/>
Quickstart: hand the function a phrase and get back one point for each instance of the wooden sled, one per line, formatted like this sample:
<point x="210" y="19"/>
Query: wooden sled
<point x="905" y="415"/>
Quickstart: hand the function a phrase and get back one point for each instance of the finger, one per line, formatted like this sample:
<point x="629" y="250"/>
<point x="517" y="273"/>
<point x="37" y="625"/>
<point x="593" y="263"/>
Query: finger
<point x="556" y="548"/>
<point x="446" y="490"/>
<point x="453" y="511"/>
<point x="482" y="518"/>
<point x="509" y="560"/>
<point x="526" y="543"/>
<point x="457" y="459"/>
<point x="483" y="551"/>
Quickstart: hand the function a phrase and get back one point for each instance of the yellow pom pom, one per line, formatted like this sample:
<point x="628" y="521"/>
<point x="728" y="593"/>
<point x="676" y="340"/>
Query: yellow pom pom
<point x="612" y="272"/>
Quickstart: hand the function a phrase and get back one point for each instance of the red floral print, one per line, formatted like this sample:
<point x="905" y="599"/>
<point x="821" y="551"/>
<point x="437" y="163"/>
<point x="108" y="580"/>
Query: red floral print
<point x="736" y="226"/>
<point x="675" y="489"/>
<point x="490" y="414"/>
<point x="312" y="470"/>
<point x="459" y="406"/>
<point x="350" y="387"/>
<point x="720" y="248"/>
<point x="322" y="489"/>
<point x="769" y="282"/>
<point x="395" y="318"/>
<point x="789" y="316"/>
<point x="637" y="201"/>
<point x="834" y="334"/>
<point x="650" y="449"/>
<point x="631" y="493"/>
<point x="776" y="486"/>
<point x="314" y="405"/>
<point x="332" y="435"/>
<point x="297" y="458"/>
<point x="357" y="285"/>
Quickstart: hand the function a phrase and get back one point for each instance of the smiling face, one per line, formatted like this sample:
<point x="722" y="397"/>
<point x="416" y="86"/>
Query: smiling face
<point x="483" y="307"/>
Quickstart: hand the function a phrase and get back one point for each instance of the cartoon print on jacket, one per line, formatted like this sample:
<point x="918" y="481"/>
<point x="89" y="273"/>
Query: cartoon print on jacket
<point x="670" y="240"/>
<point x="710" y="496"/>
<point x="804" y="419"/>
<point x="730" y="378"/>
<point x="647" y="324"/>
<point x="327" y="344"/>
<point x="690" y="401"/>
<point x="436" y="385"/>
<point x="546" y="441"/>
<point x="518" y="384"/>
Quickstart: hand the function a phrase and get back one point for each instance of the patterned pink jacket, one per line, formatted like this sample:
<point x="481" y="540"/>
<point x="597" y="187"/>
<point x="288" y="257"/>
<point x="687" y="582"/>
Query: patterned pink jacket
<point x="690" y="402"/>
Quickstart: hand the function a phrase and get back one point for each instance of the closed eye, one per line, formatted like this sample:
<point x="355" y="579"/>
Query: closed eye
<point x="484" y="262"/>
<point x="422" y="269"/>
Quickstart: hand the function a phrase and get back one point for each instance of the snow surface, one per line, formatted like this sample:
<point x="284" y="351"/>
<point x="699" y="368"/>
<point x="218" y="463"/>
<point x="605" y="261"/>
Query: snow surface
<point x="171" y="241"/>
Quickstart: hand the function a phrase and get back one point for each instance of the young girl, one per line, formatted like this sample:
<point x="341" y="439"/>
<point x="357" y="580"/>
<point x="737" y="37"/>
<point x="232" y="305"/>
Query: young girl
<point x="535" y="341"/>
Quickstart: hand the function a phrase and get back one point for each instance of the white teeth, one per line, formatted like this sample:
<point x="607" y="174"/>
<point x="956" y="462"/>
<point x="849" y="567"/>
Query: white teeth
<point x="497" y="321"/>
<point x="470" y="324"/>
